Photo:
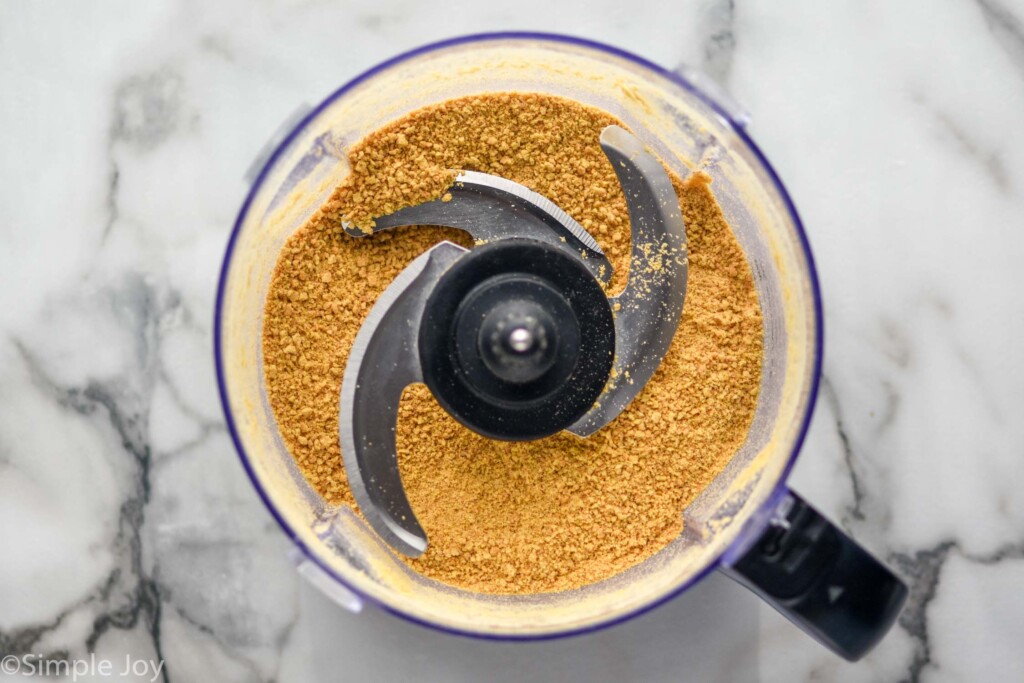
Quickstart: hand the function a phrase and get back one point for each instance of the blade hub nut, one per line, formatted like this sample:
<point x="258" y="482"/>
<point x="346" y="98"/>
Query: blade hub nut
<point x="518" y="340"/>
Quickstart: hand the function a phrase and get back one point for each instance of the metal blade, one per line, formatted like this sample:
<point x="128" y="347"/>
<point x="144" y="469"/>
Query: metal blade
<point x="648" y="311"/>
<point x="383" y="361"/>
<point x="490" y="208"/>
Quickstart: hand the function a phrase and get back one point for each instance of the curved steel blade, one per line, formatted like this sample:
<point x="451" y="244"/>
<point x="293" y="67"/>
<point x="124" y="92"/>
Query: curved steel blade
<point x="383" y="361"/>
<point x="490" y="208"/>
<point x="648" y="311"/>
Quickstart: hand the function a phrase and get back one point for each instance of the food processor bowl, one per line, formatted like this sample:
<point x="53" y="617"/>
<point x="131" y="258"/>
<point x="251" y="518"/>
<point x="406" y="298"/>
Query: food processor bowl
<point x="730" y="522"/>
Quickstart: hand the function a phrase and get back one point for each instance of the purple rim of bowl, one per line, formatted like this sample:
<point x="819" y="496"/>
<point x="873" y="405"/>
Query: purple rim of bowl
<point x="738" y="128"/>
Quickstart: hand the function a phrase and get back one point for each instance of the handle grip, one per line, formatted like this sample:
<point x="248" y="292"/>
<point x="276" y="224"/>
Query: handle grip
<point x="820" y="579"/>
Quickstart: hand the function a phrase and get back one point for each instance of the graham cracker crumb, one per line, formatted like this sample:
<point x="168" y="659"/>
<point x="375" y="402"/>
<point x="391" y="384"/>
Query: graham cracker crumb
<point x="525" y="517"/>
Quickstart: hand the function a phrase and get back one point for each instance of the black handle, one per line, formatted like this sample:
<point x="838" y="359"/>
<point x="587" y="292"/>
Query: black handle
<point x="821" y="580"/>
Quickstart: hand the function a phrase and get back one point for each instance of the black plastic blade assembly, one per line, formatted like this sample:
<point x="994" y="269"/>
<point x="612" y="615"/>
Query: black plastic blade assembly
<point x="515" y="338"/>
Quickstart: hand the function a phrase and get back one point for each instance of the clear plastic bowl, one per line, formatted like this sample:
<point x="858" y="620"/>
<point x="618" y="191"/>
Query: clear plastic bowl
<point x="687" y="129"/>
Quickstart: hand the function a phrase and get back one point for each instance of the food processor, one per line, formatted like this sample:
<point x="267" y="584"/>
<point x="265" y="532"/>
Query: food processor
<point x="488" y="330"/>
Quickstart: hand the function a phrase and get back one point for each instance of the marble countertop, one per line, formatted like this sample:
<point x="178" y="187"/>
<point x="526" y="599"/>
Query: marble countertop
<point x="127" y="526"/>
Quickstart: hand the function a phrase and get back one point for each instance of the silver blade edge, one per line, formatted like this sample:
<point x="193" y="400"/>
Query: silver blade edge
<point x="384" y="360"/>
<point x="490" y="208"/>
<point x="648" y="311"/>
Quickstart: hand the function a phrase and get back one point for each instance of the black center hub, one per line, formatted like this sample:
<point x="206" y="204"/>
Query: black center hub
<point x="517" y="340"/>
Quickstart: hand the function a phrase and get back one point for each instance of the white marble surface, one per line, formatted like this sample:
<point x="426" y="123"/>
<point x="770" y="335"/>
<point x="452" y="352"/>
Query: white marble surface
<point x="127" y="526"/>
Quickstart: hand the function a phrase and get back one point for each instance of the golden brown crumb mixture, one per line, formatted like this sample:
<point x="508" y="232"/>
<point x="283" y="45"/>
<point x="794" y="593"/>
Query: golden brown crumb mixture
<point x="526" y="517"/>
